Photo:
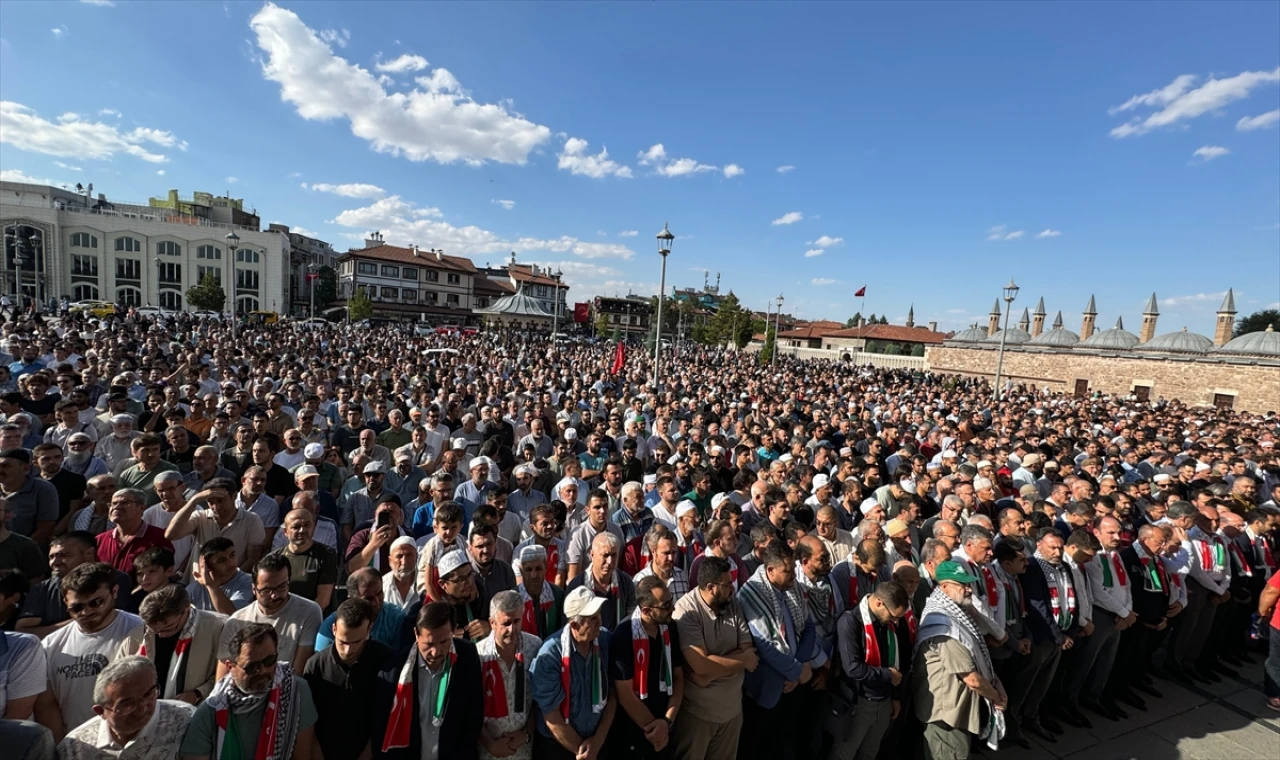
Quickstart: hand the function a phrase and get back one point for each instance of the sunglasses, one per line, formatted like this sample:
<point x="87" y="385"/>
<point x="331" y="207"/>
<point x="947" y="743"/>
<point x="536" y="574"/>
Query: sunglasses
<point x="92" y="604"/>
<point x="253" y="668"/>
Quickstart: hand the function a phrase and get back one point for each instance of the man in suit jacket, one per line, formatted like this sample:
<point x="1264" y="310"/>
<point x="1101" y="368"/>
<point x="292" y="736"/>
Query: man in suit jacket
<point x="408" y="701"/>
<point x="1151" y="579"/>
<point x="181" y="640"/>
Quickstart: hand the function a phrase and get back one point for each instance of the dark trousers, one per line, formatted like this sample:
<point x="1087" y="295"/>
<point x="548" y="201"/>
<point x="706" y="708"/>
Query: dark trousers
<point x="1271" y="668"/>
<point x="1085" y="667"/>
<point x="1030" y="684"/>
<point x="808" y="735"/>
<point x="764" y="731"/>
<point x="1194" y="631"/>
<point x="1131" y="658"/>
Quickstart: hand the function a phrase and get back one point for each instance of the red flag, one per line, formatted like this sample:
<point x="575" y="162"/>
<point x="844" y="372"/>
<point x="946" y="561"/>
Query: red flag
<point x="582" y="312"/>
<point x="862" y="291"/>
<point x="495" y="690"/>
<point x="619" y="358"/>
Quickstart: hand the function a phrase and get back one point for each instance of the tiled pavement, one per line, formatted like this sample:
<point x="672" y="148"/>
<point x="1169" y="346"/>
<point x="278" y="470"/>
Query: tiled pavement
<point x="1223" y="721"/>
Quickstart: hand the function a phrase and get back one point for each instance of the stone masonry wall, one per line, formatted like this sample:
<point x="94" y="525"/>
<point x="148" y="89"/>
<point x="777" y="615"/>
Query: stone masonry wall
<point x="1255" y="386"/>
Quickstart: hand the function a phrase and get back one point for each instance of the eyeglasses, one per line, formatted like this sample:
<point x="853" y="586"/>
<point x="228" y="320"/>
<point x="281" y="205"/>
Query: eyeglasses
<point x="253" y="668"/>
<point x="133" y="705"/>
<point x="283" y="588"/>
<point x="93" y="604"/>
<point x="668" y="607"/>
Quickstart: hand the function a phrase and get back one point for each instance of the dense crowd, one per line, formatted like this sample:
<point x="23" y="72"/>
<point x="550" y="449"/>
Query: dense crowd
<point x="352" y="543"/>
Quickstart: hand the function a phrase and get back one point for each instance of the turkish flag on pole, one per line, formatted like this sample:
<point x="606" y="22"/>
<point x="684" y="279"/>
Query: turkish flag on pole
<point x="862" y="291"/>
<point x="619" y="358"/>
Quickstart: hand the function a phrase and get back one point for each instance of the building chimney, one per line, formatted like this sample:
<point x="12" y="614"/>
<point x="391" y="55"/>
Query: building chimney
<point x="1226" y="320"/>
<point x="1037" y="319"/>
<point x="993" y="319"/>
<point x="374" y="240"/>
<point x="933" y="327"/>
<point x="1090" y="318"/>
<point x="439" y="254"/>
<point x="1149" y="317"/>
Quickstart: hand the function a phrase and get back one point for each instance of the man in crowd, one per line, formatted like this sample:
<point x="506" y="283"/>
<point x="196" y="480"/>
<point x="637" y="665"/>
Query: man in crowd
<point x="575" y="709"/>
<point x="343" y="680"/>
<point x="506" y="656"/>
<point x="180" y="640"/>
<point x="128" y="715"/>
<point x="606" y="581"/>
<point x="646" y="666"/>
<point x="44" y="609"/>
<point x="875" y="656"/>
<point x="296" y="620"/>
<point x="217" y="582"/>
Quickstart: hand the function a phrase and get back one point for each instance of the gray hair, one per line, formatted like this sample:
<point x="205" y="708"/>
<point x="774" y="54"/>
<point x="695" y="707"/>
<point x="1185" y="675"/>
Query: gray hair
<point x="930" y="549"/>
<point x="937" y="527"/>
<point x="362" y="579"/>
<point x="606" y="538"/>
<point x="166" y="476"/>
<point x="980" y="484"/>
<point x="134" y="494"/>
<point x="655" y="534"/>
<point x="952" y="500"/>
<point x="982" y="520"/>
<point x="972" y="533"/>
<point x="506" y="603"/>
<point x="1180" y="509"/>
<point x="631" y="487"/>
<point x="120" y="670"/>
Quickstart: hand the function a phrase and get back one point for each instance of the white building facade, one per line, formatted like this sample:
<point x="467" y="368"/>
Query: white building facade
<point x="131" y="254"/>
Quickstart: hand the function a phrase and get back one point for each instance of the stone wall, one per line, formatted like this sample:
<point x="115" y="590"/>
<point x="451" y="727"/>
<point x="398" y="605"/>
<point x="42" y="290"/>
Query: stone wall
<point x="1252" y="385"/>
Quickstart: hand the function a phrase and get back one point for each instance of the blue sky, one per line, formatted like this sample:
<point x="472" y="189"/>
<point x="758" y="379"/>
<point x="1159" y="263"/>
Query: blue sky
<point x="934" y="150"/>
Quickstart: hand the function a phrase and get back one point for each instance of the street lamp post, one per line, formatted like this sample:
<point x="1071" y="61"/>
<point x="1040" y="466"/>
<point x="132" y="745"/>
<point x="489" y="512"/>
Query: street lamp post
<point x="777" y="325"/>
<point x="312" y="277"/>
<point x="1010" y="293"/>
<point x="664" y="248"/>
<point x="233" y="244"/>
<point x="555" y="305"/>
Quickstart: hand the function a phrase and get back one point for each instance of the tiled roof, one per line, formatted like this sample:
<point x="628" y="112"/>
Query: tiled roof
<point x="808" y="332"/>
<point x="896" y="333"/>
<point x="424" y="258"/>
<point x="523" y="273"/>
<point x="493" y="285"/>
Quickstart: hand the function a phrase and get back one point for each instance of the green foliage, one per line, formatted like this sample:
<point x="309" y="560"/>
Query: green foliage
<point x="917" y="349"/>
<point x="207" y="295"/>
<point x="601" y="325"/>
<point x="360" y="307"/>
<point x="326" y="288"/>
<point x="1258" y="322"/>
<point x="854" y="320"/>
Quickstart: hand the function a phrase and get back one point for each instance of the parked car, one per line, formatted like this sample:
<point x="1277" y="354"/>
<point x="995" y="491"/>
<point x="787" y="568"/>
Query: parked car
<point x="98" y="309"/>
<point x="216" y="316"/>
<point x="313" y="323"/>
<point x="447" y="329"/>
<point x="153" y="311"/>
<point x="422" y="329"/>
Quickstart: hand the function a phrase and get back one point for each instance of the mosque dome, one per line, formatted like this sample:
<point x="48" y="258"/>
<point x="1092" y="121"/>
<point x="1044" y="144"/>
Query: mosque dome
<point x="1058" y="337"/>
<point x="1181" y="342"/>
<point x="1115" y="339"/>
<point x="974" y="334"/>
<point x="1262" y="343"/>
<point x="1016" y="335"/>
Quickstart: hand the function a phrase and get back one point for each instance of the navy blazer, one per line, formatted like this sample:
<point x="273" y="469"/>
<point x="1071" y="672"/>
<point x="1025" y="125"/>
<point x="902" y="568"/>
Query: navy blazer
<point x="463" y="712"/>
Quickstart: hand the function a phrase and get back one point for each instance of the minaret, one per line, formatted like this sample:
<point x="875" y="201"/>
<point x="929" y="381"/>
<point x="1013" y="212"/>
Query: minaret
<point x="1226" y="320"/>
<point x="1057" y="321"/>
<point x="993" y="319"/>
<point x="1090" y="317"/>
<point x="1149" y="317"/>
<point x="1037" y="322"/>
<point x="1024" y="324"/>
<point x="911" y="316"/>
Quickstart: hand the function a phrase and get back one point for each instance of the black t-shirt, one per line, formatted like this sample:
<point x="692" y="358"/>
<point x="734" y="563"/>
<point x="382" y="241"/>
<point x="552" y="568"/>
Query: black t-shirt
<point x="40" y="408"/>
<point x="346" y="692"/>
<point x="622" y="665"/>
<point x="279" y="482"/>
<point x="164" y="655"/>
<point x="70" y="487"/>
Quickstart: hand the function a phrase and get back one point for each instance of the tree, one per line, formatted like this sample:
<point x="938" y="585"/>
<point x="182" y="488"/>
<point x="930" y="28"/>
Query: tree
<point x="766" y="353"/>
<point x="884" y="320"/>
<point x="601" y="325"/>
<point x="326" y="287"/>
<point x="207" y="295"/>
<point x="731" y="324"/>
<point x="1258" y="322"/>
<point x="873" y="319"/>
<point x="359" y="307"/>
<point x="854" y="320"/>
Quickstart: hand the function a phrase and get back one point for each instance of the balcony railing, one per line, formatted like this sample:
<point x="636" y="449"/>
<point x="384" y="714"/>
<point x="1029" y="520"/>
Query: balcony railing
<point x="152" y="214"/>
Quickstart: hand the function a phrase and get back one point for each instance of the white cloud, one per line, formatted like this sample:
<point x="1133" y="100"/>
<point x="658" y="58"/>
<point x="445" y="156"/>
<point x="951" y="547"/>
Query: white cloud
<point x="160" y="172"/>
<point x="1015" y="235"/>
<point x="339" y="37"/>
<point x="231" y="180"/>
<point x="791" y="217"/>
<point x="665" y="166"/>
<point x="1178" y="102"/>
<point x="1196" y="298"/>
<point x="508" y="205"/>
<point x="1210" y="152"/>
<point x="24" y="129"/>
<point x="421" y="125"/>
<point x="820" y="281"/>
<point x="110" y="112"/>
<point x="100" y="3"/>
<point x="653" y="155"/>
<point x="785" y="168"/>
<point x="17" y="175"/>
<point x="826" y="241"/>
<point x="813" y="252"/>
<point x="68" y="167"/>
<point x="576" y="160"/>
<point x="403" y="222"/>
<point x="628" y="233"/>
<point x="59" y="31"/>
<point x="683" y="166"/>
<point x="996" y="232"/>
<point x="402" y="64"/>
<point x="1049" y="233"/>
<point x="348" y="190"/>
<point x="299" y="229"/>
<point x="733" y="170"/>
<point x="1261" y="121"/>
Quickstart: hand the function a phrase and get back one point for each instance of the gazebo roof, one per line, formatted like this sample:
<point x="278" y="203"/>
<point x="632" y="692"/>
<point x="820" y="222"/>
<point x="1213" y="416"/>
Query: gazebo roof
<point x="517" y="305"/>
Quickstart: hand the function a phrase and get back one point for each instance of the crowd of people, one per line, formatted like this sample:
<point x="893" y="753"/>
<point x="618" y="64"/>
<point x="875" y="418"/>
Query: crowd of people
<point x="329" y="542"/>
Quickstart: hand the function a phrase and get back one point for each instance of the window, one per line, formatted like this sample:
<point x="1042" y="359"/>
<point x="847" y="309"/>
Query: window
<point x="482" y="302"/>
<point x="203" y="272"/>
<point x="455" y="279"/>
<point x="410" y="273"/>
<point x="85" y="265"/>
<point x="390" y="271"/>
<point x="246" y="304"/>
<point x="613" y="319"/>
<point x="85" y="292"/>
<point x="451" y="299"/>
<point x="209" y="252"/>
<point x="246" y="279"/>
<point x="248" y="256"/>
<point x="365" y="267"/>
<point x="390" y="294"/>
<point x="84" y="240"/>
<point x="128" y="244"/>
<point x="168" y="248"/>
<point x="432" y="297"/>
<point x="129" y="296"/>
<point x="410" y="295"/>
<point x="433" y="275"/>
<point x="542" y="291"/>
<point x="1142" y="393"/>
<point x="128" y="269"/>
<point x="169" y="272"/>
<point x="1223" y="400"/>
<point x="171" y="300"/>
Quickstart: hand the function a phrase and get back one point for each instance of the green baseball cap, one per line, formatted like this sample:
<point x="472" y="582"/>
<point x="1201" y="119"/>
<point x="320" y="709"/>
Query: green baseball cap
<point x="953" y="571"/>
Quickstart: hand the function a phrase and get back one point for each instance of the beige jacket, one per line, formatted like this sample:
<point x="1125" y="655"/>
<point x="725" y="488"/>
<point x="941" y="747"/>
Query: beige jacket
<point x="202" y="657"/>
